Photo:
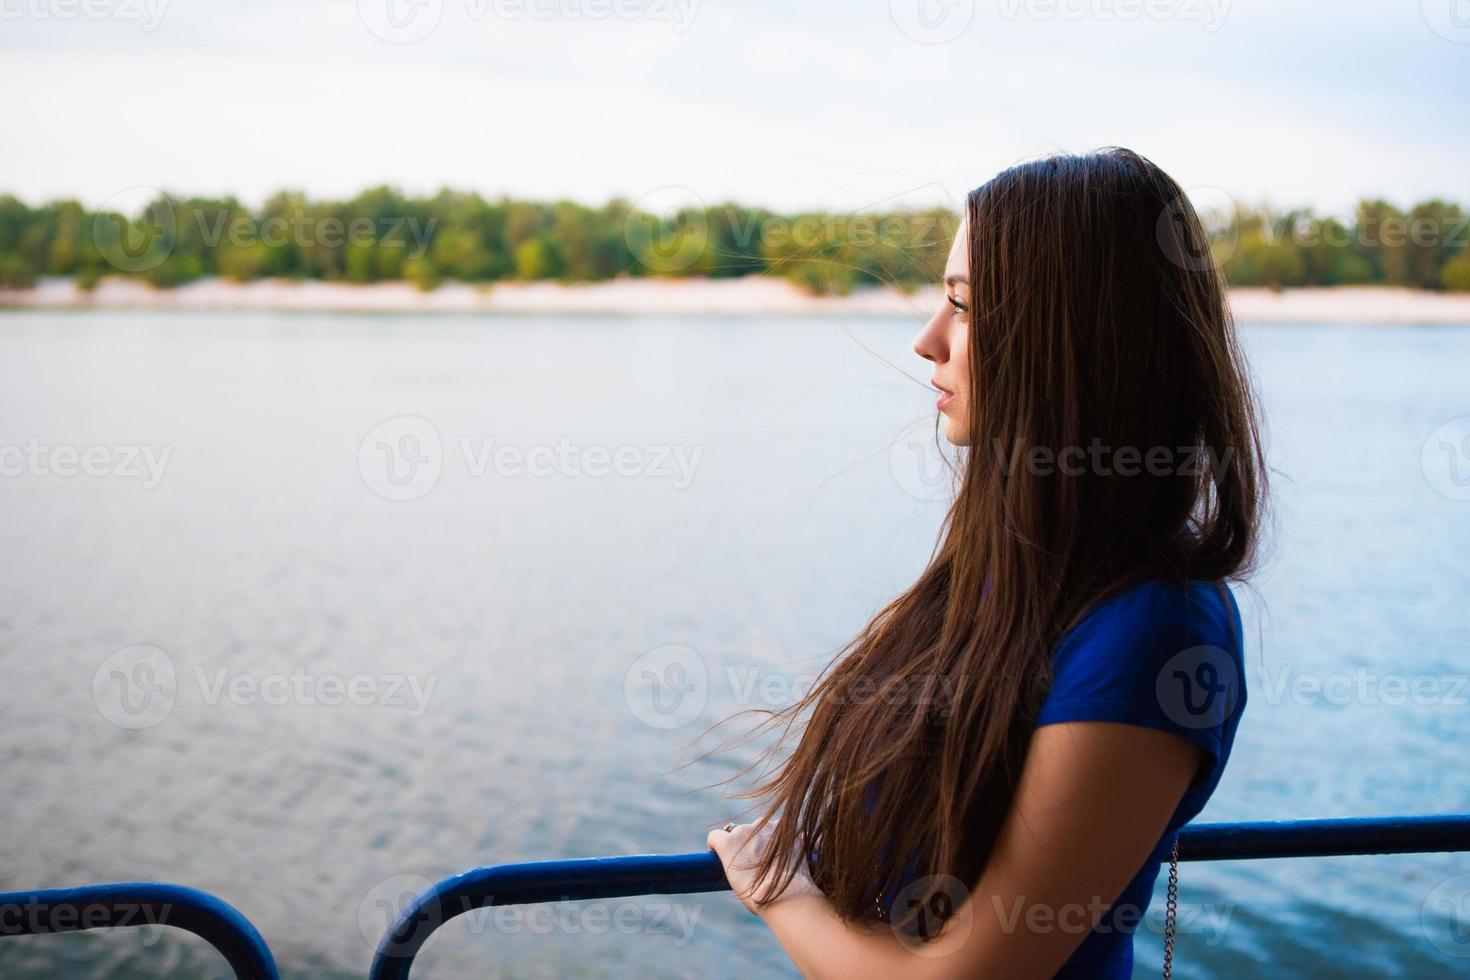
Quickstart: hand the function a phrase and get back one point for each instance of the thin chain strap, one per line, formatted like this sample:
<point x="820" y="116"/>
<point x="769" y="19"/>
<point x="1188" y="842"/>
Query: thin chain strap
<point x="1169" y="909"/>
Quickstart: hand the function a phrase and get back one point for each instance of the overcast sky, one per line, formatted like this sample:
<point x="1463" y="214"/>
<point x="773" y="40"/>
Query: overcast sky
<point x="783" y="103"/>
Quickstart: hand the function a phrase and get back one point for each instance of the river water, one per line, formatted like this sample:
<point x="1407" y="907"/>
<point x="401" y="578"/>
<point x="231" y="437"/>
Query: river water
<point x="309" y="611"/>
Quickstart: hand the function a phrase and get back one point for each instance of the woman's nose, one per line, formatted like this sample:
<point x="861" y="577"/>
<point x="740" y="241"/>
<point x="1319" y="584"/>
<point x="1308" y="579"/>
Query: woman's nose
<point x="929" y="344"/>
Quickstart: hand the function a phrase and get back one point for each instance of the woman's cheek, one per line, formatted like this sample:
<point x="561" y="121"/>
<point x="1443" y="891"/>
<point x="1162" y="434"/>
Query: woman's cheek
<point x="959" y="412"/>
<point x="957" y="424"/>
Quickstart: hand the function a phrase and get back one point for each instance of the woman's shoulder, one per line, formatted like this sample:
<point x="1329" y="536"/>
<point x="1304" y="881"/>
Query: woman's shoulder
<point x="1159" y="611"/>
<point x="1166" y="655"/>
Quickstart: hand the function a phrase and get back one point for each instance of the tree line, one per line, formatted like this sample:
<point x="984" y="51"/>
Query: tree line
<point x="383" y="235"/>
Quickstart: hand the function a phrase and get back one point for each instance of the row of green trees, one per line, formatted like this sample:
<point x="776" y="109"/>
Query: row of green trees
<point x="1423" y="247"/>
<point x="383" y="235"/>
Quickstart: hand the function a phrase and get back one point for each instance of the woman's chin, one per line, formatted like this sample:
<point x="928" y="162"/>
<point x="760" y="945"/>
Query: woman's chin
<point x="956" y="432"/>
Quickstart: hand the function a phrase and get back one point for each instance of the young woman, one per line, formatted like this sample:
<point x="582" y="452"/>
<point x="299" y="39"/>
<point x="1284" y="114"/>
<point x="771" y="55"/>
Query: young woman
<point x="987" y="781"/>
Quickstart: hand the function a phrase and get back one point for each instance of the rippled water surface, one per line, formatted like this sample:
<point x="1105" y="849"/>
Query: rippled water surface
<point x="369" y="693"/>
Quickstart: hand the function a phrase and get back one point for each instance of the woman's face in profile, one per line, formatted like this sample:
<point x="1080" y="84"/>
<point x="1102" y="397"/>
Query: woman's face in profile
<point x="945" y="340"/>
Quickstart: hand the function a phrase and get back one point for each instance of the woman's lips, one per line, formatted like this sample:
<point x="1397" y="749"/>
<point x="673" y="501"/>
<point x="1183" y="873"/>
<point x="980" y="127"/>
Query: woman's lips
<point x="945" y="397"/>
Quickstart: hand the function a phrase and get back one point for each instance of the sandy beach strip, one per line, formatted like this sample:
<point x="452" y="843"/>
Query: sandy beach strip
<point x="746" y="296"/>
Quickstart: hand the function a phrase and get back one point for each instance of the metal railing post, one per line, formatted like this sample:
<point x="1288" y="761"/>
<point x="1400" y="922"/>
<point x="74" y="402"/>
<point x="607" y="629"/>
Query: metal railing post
<point x="141" y="903"/>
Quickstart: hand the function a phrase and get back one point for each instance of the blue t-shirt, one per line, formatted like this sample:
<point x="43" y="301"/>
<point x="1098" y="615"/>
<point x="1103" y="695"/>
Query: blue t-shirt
<point x="1161" y="656"/>
<point x="1164" y="657"/>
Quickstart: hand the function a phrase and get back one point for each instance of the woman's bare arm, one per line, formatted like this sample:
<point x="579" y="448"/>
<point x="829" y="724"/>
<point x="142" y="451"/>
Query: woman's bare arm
<point x="1093" y="801"/>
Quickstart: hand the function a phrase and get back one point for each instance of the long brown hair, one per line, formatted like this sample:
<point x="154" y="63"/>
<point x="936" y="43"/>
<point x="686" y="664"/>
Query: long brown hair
<point x="1098" y="322"/>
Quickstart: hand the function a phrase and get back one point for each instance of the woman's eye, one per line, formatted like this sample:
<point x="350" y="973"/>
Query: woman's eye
<point x="958" y="306"/>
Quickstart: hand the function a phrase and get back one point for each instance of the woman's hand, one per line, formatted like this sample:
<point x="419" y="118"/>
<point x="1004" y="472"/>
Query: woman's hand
<point x="740" y="850"/>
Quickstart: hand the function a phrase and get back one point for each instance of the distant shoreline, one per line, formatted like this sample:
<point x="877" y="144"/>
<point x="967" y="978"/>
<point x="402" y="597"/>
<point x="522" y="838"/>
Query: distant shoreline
<point x="749" y="295"/>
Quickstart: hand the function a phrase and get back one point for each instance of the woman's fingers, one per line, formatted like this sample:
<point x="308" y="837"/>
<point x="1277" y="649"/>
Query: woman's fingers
<point x="726" y="843"/>
<point x="739" y="858"/>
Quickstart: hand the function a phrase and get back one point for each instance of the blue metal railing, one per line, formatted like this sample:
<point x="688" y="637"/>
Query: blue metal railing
<point x="146" y="903"/>
<point x="141" y="903"/>
<point x="682" y="874"/>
